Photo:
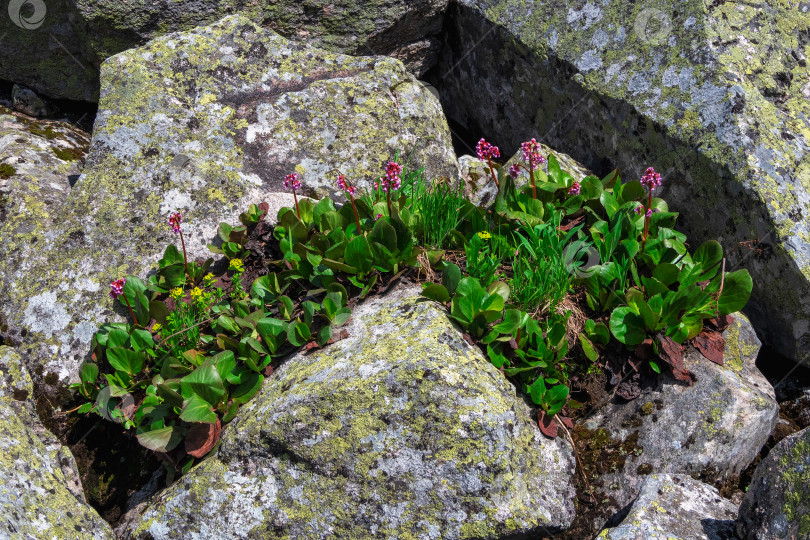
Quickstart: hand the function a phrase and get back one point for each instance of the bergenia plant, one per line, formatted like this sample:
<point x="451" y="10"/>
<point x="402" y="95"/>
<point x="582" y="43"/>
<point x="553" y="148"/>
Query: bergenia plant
<point x="532" y="156"/>
<point x="116" y="290"/>
<point x="649" y="180"/>
<point x="574" y="189"/>
<point x="292" y="182"/>
<point x="391" y="181"/>
<point x="174" y="220"/>
<point x="350" y="191"/>
<point x="486" y="152"/>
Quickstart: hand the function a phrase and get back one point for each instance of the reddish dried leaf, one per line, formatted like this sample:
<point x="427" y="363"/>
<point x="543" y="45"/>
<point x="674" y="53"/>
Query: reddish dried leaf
<point x="711" y="345"/>
<point x="468" y="338"/>
<point x="571" y="224"/>
<point x="672" y="354"/>
<point x="721" y="323"/>
<point x="547" y="424"/>
<point x="268" y="371"/>
<point x="644" y="350"/>
<point x="311" y="345"/>
<point x="567" y="422"/>
<point x="264" y="207"/>
<point x="201" y="438"/>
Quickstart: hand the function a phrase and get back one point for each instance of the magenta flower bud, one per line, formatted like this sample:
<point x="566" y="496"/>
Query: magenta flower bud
<point x="651" y="179"/>
<point x="174" y="220"/>
<point x="574" y="189"/>
<point x="291" y="182"/>
<point x="377" y="217"/>
<point x="486" y="150"/>
<point x="117" y="288"/>
<point x="514" y="171"/>
<point x="391" y="181"/>
<point x="532" y="153"/>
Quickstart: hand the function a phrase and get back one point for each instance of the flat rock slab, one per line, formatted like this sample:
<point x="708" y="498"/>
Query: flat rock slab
<point x="400" y="430"/>
<point x="714" y="95"/>
<point x="40" y="494"/>
<point x="777" y="504"/>
<point x="714" y="428"/>
<point x="676" y="506"/>
<point x="205" y="123"/>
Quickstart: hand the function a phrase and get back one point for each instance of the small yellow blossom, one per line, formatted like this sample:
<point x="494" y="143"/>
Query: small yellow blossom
<point x="195" y="293"/>
<point x="176" y="293"/>
<point x="484" y="235"/>
<point x="237" y="265"/>
<point x="208" y="279"/>
<point x="156" y="328"/>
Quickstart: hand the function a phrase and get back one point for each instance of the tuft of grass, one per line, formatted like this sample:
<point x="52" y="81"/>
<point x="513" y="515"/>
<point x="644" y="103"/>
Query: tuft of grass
<point x="439" y="208"/>
<point x="7" y="171"/>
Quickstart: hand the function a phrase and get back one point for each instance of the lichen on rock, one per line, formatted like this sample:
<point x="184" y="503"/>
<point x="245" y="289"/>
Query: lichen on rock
<point x="402" y="429"/>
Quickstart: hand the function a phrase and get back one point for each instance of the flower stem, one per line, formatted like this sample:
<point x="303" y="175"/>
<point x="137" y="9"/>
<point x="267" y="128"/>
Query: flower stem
<point x="646" y="220"/>
<point x="297" y="210"/>
<point x="534" y="188"/>
<point x="388" y="200"/>
<point x="132" y="313"/>
<point x="356" y="219"/>
<point x="185" y="259"/>
<point x="492" y="171"/>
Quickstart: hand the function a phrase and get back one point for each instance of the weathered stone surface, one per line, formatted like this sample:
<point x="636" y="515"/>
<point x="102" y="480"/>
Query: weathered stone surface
<point x="479" y="187"/>
<point x="40" y="495"/>
<point x="204" y="122"/>
<point x="28" y="102"/>
<point x="713" y="428"/>
<point x="777" y="504"/>
<point x="676" y="506"/>
<point x="401" y="430"/>
<point x="59" y="54"/>
<point x="714" y="95"/>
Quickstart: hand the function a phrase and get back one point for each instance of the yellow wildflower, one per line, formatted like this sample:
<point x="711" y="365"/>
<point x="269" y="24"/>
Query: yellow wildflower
<point x="176" y="293"/>
<point x="208" y="279"/>
<point x="196" y="292"/>
<point x="484" y="235"/>
<point x="237" y="265"/>
<point x="156" y="328"/>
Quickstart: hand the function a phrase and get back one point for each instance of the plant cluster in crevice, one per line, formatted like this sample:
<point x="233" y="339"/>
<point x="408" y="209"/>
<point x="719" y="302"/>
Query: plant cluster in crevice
<point x="555" y="280"/>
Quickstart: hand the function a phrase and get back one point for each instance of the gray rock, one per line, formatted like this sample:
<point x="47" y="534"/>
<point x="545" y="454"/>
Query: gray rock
<point x="400" y="430"/>
<point x="28" y="102"/>
<point x="676" y="506"/>
<point x="56" y="47"/>
<point x="206" y="123"/>
<point x="714" y="428"/>
<point x="704" y="93"/>
<point x="41" y="495"/>
<point x="777" y="504"/>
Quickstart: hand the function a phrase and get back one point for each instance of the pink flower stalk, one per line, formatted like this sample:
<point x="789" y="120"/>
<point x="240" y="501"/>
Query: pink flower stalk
<point x="533" y="156"/>
<point x="514" y="171"/>
<point x="377" y="218"/>
<point x="351" y="190"/>
<point x="650" y="179"/>
<point x="174" y="220"/>
<point x="574" y="189"/>
<point x="486" y="152"/>
<point x="391" y="181"/>
<point x="117" y="290"/>
<point x="292" y="182"/>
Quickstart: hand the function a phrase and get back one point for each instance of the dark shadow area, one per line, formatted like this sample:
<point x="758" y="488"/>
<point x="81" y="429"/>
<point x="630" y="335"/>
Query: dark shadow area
<point x="81" y="114"/>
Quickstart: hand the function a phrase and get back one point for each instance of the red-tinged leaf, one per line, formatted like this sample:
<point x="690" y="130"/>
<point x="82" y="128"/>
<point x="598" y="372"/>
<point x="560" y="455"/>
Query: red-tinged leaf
<point x="567" y="422"/>
<point x="201" y="438"/>
<point x="268" y="371"/>
<point x="265" y="208"/>
<point x="711" y="345"/>
<point x="468" y="338"/>
<point x="311" y="345"/>
<point x="571" y="224"/>
<point x="547" y="424"/>
<point x="721" y="323"/>
<point x="672" y="354"/>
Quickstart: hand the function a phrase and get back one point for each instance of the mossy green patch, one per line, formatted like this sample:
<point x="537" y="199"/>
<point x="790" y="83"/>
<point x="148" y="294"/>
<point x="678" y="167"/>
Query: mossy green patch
<point x="7" y="171"/>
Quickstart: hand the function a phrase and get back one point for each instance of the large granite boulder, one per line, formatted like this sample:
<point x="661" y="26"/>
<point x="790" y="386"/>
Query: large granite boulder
<point x="676" y="506"/>
<point x="41" y="496"/>
<point x="777" y="504"/>
<point x="205" y="123"/>
<point x="714" y="95"/>
<point x="713" y="429"/>
<point x="400" y="430"/>
<point x="56" y="47"/>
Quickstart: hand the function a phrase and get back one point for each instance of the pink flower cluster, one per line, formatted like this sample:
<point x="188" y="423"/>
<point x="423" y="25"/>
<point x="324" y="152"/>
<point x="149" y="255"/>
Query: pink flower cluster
<point x="391" y="181"/>
<point x="341" y="184"/>
<point x="574" y="189"/>
<point x="651" y="179"/>
<point x="514" y="171"/>
<point x="640" y="210"/>
<point x="292" y="182"/>
<point x="532" y="154"/>
<point x="117" y="288"/>
<point x="174" y="220"/>
<point x="487" y="151"/>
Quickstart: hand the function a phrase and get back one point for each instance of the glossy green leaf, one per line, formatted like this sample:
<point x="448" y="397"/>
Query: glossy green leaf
<point x="627" y="326"/>
<point x="126" y="360"/>
<point x="196" y="409"/>
<point x="206" y="382"/>
<point x="737" y="287"/>
<point x="161" y="440"/>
